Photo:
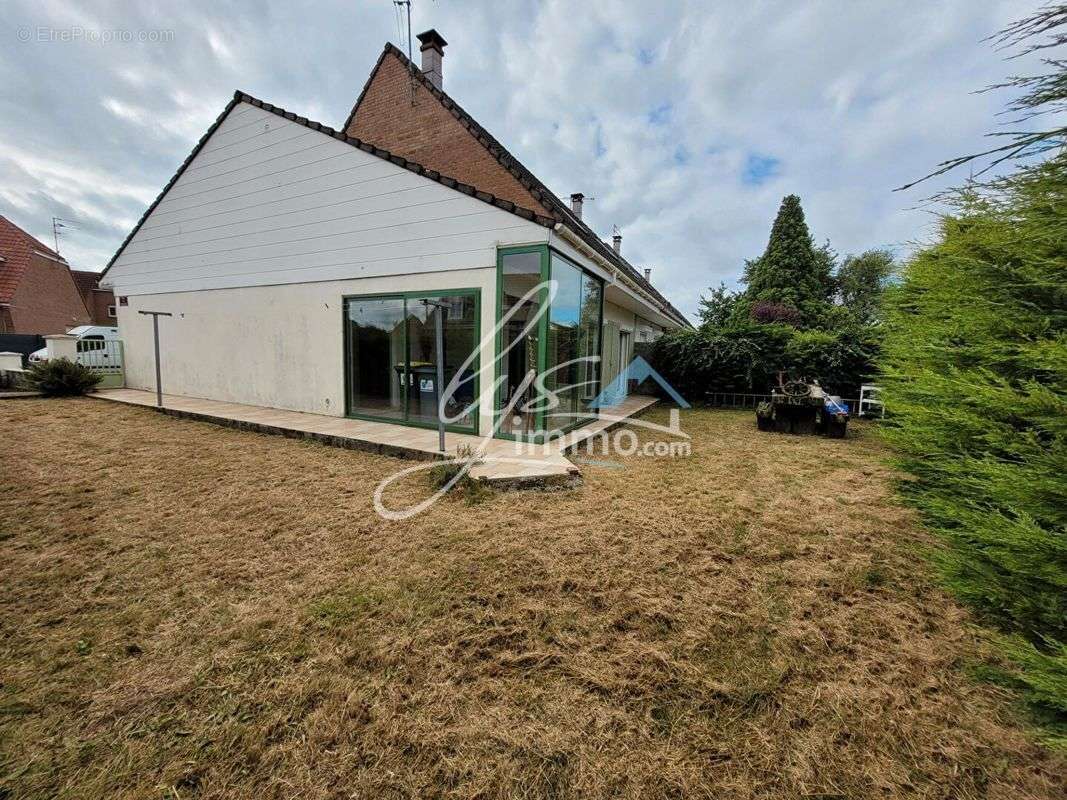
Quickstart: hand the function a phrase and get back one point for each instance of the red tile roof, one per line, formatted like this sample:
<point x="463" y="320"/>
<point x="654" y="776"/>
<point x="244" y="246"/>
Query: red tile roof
<point x="16" y="247"/>
<point x="85" y="281"/>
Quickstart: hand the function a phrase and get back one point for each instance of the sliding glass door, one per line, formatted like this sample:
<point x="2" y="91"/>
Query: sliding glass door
<point x="374" y="328"/>
<point x="391" y="357"/>
<point x="460" y="323"/>
<point x="560" y="344"/>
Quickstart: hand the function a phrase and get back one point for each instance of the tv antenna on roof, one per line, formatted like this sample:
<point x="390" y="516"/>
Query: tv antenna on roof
<point x="58" y="223"/>
<point x="411" y="64"/>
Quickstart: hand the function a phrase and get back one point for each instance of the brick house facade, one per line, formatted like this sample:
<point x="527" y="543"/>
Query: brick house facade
<point x="398" y="111"/>
<point x="37" y="291"/>
<point x="100" y="303"/>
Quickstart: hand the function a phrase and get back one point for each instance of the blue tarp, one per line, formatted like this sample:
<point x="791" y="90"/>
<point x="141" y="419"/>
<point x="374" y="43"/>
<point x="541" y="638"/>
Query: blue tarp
<point x="834" y="405"/>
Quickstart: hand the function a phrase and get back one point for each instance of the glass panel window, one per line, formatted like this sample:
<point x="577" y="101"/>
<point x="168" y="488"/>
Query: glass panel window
<point x="562" y="350"/>
<point x="376" y="364"/>
<point x="520" y="273"/>
<point x="573" y="362"/>
<point x="392" y="357"/>
<point x="459" y="325"/>
<point x="589" y="341"/>
<point x="563" y="323"/>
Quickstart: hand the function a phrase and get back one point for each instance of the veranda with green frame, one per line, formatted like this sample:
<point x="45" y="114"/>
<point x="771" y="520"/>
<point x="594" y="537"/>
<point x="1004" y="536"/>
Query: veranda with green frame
<point x="546" y="252"/>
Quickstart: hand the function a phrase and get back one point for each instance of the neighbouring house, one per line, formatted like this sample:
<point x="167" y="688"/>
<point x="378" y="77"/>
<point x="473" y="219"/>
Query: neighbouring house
<point x="99" y="302"/>
<point x="303" y="267"/>
<point x="38" y="294"/>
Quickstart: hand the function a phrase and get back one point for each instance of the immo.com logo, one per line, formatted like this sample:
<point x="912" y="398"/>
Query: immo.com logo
<point x="625" y="443"/>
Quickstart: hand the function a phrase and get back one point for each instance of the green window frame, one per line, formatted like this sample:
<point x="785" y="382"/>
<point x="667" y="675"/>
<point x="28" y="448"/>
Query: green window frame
<point x="542" y="331"/>
<point x="405" y="296"/>
<point x="546" y="253"/>
<point x="600" y="327"/>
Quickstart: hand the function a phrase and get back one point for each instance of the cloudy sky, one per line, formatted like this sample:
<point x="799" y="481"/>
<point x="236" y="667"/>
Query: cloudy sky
<point x="686" y="121"/>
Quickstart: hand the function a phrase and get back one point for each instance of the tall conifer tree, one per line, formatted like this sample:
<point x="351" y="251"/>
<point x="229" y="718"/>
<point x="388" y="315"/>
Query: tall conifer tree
<point x="792" y="271"/>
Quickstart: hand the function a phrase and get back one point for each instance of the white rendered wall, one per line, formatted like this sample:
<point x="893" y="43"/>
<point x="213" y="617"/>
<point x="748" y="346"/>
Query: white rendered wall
<point x="622" y="317"/>
<point x="275" y="346"/>
<point x="262" y="235"/>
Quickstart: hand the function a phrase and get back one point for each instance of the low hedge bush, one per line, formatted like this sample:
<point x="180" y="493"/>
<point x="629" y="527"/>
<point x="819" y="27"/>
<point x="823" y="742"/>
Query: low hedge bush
<point x="60" y="377"/>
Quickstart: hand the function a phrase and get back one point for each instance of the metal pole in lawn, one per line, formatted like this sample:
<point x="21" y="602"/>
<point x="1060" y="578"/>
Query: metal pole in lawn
<point x="155" y="315"/>
<point x="439" y="332"/>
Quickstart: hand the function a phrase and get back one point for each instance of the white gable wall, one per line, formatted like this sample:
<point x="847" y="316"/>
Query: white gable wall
<point x="269" y="201"/>
<point x="261" y="237"/>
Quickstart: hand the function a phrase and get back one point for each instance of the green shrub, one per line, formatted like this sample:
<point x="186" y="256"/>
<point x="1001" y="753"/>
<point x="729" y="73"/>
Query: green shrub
<point x="840" y="360"/>
<point x="975" y="378"/>
<point x="59" y="377"/>
<point x="746" y="358"/>
<point x="741" y="358"/>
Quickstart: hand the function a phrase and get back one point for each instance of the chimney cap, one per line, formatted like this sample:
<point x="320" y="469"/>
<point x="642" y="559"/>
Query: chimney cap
<point x="577" y="196"/>
<point x="432" y="38"/>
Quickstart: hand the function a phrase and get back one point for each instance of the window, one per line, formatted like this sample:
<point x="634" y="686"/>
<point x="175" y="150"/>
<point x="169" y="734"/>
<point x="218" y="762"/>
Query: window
<point x="391" y="357"/>
<point x="561" y="345"/>
<point x="573" y="363"/>
<point x="520" y="272"/>
<point x="88" y="344"/>
<point x="111" y="312"/>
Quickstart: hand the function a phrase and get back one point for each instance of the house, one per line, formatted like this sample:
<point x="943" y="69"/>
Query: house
<point x="99" y="302"/>
<point x="37" y="292"/>
<point x="304" y="268"/>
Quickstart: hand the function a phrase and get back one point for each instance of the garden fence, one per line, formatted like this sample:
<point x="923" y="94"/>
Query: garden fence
<point x="740" y="400"/>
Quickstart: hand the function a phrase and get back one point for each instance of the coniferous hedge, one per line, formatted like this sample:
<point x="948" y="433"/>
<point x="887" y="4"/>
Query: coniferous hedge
<point x="975" y="377"/>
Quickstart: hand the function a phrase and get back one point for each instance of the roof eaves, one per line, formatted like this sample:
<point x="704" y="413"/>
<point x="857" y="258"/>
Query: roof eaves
<point x="184" y="165"/>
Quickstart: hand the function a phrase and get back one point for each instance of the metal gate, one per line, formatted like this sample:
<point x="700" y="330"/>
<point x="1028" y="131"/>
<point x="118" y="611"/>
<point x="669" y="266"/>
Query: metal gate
<point x="105" y="359"/>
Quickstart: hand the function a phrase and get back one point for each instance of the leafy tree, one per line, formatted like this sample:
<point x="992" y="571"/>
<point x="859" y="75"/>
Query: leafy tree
<point x="861" y="282"/>
<point x="825" y="267"/>
<point x="747" y="338"/>
<point x="783" y="321"/>
<point x="718" y="307"/>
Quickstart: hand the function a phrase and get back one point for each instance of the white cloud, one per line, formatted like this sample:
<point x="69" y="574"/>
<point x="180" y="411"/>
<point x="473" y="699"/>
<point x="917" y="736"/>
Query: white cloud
<point x="687" y="121"/>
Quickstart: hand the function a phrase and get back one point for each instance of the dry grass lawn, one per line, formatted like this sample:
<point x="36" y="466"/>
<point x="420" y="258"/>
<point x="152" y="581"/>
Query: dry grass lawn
<point x="191" y="611"/>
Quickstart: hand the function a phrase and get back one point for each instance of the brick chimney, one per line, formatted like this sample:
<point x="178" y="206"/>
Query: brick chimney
<point x="433" y="53"/>
<point x="648" y="274"/>
<point x="576" y="204"/>
<point x="616" y="243"/>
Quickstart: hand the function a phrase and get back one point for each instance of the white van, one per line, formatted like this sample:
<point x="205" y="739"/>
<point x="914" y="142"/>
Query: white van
<point x="90" y="338"/>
